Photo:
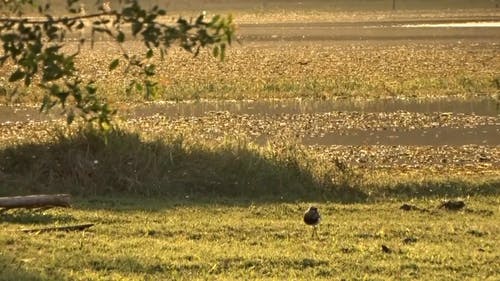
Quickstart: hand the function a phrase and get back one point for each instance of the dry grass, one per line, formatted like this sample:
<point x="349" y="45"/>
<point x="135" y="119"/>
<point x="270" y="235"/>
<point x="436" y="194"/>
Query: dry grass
<point x="307" y="70"/>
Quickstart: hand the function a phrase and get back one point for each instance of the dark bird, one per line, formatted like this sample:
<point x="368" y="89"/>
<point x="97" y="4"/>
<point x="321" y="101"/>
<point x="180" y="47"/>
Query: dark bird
<point x="312" y="217"/>
<point x="409" y="240"/>
<point x="453" y="205"/>
<point x="408" y="207"/>
<point x="386" y="249"/>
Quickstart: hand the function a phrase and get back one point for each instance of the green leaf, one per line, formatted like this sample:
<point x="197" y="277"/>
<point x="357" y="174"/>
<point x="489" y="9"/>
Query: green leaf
<point x="136" y="27"/>
<point x="138" y="87"/>
<point x="215" y="51"/>
<point x="70" y="116"/>
<point x="17" y="75"/>
<point x="215" y="19"/>
<point x="91" y="88"/>
<point x="150" y="70"/>
<point x="222" y="51"/>
<point x="80" y="25"/>
<point x="120" y="37"/>
<point x="114" y="64"/>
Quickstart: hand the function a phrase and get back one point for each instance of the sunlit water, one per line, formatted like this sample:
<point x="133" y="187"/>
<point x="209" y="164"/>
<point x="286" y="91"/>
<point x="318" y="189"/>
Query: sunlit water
<point x="477" y="106"/>
<point x="484" y="107"/>
<point x="453" y="25"/>
<point x="481" y="135"/>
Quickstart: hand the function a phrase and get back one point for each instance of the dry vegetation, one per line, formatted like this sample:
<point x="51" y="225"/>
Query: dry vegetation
<point x="322" y="15"/>
<point x="216" y="154"/>
<point x="308" y="70"/>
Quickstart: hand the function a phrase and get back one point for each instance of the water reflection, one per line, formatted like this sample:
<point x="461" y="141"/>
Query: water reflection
<point x="481" y="135"/>
<point x="484" y="107"/>
<point x="478" y="106"/>
<point x="450" y="24"/>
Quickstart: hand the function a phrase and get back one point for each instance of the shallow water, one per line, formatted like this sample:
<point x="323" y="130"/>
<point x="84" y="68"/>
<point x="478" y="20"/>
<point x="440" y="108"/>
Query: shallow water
<point x="456" y="25"/>
<point x="478" y="106"/>
<point x="481" y="135"/>
<point x="375" y="30"/>
<point x="483" y="106"/>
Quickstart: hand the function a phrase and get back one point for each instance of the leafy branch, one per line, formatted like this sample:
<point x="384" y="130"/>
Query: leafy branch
<point x="33" y="47"/>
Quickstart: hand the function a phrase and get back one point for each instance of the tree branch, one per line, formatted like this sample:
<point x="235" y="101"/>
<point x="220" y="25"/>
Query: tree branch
<point x="57" y="20"/>
<point x="35" y="201"/>
<point x="79" y="227"/>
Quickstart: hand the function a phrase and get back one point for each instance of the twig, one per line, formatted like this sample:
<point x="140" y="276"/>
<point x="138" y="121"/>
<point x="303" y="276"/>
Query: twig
<point x="56" y="20"/>
<point x="79" y="227"/>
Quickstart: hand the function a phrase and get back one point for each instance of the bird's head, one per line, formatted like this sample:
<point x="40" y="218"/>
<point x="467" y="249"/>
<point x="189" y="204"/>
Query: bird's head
<point x="312" y="208"/>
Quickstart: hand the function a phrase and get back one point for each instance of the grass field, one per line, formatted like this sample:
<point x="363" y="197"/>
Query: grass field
<point x="329" y="68"/>
<point x="259" y="6"/>
<point x="203" y="239"/>
<point x="157" y="156"/>
<point x="305" y="70"/>
<point x="231" y="211"/>
<point x="198" y="198"/>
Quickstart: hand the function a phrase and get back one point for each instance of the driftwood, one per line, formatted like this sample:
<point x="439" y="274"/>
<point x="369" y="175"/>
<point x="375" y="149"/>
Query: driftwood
<point x="79" y="227"/>
<point x="35" y="201"/>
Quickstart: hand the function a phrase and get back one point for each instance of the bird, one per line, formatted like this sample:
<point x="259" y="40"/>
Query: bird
<point x="453" y="205"/>
<point x="312" y="217"/>
<point x="386" y="249"/>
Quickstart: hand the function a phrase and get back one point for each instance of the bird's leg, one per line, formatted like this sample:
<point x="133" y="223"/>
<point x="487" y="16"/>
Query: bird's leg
<point x="314" y="232"/>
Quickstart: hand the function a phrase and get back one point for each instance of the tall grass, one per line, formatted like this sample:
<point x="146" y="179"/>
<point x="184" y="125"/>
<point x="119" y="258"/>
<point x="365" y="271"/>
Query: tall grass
<point x="181" y="164"/>
<point x="83" y="162"/>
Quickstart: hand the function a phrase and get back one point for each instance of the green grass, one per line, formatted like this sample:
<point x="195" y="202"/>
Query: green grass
<point x="168" y="204"/>
<point x="227" y="239"/>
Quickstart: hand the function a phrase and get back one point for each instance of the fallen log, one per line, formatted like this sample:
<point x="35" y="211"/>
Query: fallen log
<point x="79" y="227"/>
<point x="35" y="201"/>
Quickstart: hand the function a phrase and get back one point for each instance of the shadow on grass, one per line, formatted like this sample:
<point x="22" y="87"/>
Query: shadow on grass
<point x="449" y="189"/>
<point x="128" y="265"/>
<point x="185" y="169"/>
<point x="84" y="164"/>
<point x="33" y="217"/>
<point x="11" y="268"/>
